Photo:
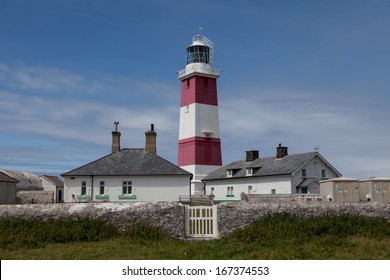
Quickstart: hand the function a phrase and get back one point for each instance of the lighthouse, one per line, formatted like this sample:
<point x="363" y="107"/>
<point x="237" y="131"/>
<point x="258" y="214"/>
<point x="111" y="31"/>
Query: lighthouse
<point x="199" y="149"/>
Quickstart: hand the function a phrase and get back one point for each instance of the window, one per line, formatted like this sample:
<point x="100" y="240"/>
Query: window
<point x="230" y="173"/>
<point x="230" y="191"/>
<point x="101" y="189"/>
<point x="212" y="190"/>
<point x="206" y="81"/>
<point x="249" y="171"/>
<point x="303" y="172"/>
<point x="83" y="188"/>
<point x="273" y="191"/>
<point x="188" y="83"/>
<point x="249" y="189"/>
<point x="126" y="187"/>
<point x="323" y="173"/>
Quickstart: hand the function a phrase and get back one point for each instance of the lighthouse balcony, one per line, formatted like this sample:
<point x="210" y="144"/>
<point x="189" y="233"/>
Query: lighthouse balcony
<point x="202" y="69"/>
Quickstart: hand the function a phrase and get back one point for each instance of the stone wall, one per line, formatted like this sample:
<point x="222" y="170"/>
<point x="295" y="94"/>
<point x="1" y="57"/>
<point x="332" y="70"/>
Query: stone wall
<point x="34" y="197"/>
<point x="169" y="216"/>
<point x="260" y="198"/>
<point x="235" y="215"/>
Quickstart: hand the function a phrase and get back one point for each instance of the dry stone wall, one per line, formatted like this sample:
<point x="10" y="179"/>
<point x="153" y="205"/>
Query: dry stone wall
<point x="34" y="197"/>
<point x="235" y="215"/>
<point x="169" y="216"/>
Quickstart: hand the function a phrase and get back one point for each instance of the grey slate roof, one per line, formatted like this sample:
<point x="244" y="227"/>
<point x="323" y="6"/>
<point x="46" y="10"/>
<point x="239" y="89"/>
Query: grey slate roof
<point x="269" y="166"/>
<point x="129" y="162"/>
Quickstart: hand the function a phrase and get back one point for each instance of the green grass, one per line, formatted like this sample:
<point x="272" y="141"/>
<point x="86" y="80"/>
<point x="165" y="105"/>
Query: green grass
<point x="277" y="236"/>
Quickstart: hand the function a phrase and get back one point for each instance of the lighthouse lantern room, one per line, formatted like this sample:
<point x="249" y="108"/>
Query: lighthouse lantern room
<point x="199" y="149"/>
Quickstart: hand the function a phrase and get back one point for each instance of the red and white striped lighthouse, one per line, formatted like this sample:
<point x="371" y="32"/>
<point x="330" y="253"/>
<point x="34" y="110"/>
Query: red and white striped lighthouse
<point x="199" y="139"/>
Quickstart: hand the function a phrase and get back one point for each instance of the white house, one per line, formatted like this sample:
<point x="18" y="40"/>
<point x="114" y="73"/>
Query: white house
<point x="127" y="175"/>
<point x="54" y="184"/>
<point x="282" y="174"/>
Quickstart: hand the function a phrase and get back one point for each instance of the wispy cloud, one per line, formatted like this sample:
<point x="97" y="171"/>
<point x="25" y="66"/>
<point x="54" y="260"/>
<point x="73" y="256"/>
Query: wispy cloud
<point x="63" y="115"/>
<point x="59" y="129"/>
<point x="343" y="129"/>
<point x="44" y="79"/>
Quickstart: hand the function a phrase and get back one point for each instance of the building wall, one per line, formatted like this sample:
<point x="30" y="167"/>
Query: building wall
<point x="151" y="188"/>
<point x="377" y="191"/>
<point x="313" y="169"/>
<point x="341" y="191"/>
<point x="49" y="186"/>
<point x="249" y="185"/>
<point x="7" y="193"/>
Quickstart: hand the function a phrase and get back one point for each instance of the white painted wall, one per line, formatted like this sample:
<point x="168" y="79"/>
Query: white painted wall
<point x="198" y="118"/>
<point x="148" y="188"/>
<point x="49" y="186"/>
<point x="260" y="185"/>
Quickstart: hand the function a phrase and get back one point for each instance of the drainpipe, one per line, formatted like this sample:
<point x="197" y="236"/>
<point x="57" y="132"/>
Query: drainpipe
<point x="91" y="187"/>
<point x="190" y="187"/>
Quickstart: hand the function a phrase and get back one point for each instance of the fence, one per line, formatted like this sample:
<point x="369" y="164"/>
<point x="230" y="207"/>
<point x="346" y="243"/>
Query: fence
<point x="201" y="221"/>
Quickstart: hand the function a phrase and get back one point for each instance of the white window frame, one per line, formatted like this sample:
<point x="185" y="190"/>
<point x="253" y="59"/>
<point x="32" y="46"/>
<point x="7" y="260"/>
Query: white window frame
<point x="127" y="187"/>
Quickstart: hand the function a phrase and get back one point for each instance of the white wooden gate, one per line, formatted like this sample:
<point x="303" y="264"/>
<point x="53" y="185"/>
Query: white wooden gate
<point x="201" y="221"/>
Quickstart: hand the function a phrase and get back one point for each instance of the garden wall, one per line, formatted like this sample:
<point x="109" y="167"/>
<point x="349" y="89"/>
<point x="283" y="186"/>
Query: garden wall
<point x="34" y="197"/>
<point x="169" y="216"/>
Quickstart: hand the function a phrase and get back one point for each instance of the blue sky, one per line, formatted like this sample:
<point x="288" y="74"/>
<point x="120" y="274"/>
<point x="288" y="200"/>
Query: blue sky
<point x="300" y="73"/>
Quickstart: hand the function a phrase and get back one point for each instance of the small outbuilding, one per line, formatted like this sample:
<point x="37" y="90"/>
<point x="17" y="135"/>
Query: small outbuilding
<point x="340" y="189"/>
<point x="7" y="189"/>
<point x="54" y="184"/>
<point x="375" y="189"/>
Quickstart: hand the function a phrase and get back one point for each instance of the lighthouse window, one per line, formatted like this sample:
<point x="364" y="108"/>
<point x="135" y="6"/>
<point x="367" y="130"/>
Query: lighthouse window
<point x="198" y="54"/>
<point x="188" y="83"/>
<point x="206" y="81"/>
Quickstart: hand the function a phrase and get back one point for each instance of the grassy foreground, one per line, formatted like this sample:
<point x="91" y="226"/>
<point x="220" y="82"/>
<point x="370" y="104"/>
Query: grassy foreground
<point x="277" y="236"/>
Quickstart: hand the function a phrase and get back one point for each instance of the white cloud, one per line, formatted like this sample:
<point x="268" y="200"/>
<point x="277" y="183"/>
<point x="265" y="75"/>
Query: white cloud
<point x="44" y="79"/>
<point x="73" y="128"/>
<point x="341" y="129"/>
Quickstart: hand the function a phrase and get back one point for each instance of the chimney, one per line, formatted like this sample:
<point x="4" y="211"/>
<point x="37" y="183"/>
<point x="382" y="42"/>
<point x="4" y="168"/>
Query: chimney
<point x="252" y="155"/>
<point x="281" y="151"/>
<point x="151" y="135"/>
<point x="116" y="139"/>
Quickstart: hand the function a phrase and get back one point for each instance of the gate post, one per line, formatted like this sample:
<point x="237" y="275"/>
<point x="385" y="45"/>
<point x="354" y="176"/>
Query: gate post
<point x="215" y="221"/>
